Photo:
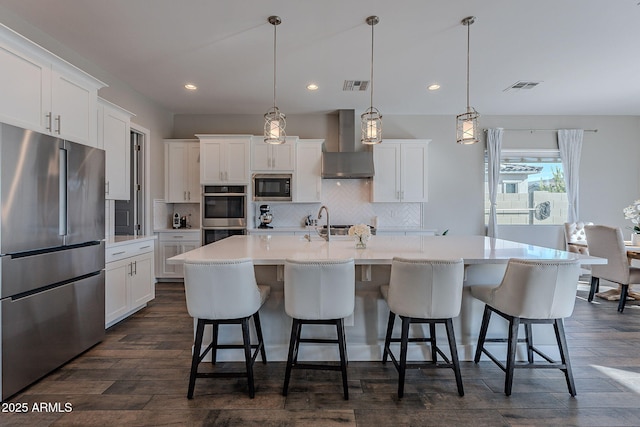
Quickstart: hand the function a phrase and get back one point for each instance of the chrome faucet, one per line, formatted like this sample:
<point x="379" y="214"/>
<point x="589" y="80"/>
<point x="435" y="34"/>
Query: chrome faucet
<point x="328" y="223"/>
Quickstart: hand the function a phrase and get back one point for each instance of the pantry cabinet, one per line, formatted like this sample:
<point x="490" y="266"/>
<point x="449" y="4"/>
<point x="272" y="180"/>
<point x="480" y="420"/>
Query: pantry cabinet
<point x="400" y="171"/>
<point x="182" y="171"/>
<point x="114" y="135"/>
<point x="273" y="157"/>
<point x="129" y="278"/>
<point x="44" y="93"/>
<point x="224" y="159"/>
<point x="308" y="172"/>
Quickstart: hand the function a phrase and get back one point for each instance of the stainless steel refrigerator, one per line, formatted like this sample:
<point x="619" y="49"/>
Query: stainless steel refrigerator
<point x="51" y="253"/>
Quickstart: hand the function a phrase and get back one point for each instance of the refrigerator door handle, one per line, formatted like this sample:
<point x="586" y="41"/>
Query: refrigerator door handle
<point x="62" y="227"/>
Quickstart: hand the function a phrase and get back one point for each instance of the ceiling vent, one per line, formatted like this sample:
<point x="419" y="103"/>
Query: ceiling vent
<point x="355" y="85"/>
<point x="521" y="85"/>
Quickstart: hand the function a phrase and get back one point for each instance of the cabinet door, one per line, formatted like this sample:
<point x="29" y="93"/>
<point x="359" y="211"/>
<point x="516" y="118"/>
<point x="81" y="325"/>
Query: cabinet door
<point x="141" y="287"/>
<point x="175" y="189"/>
<point x="193" y="172"/>
<point x="115" y="291"/>
<point x="237" y="162"/>
<point x="73" y="106"/>
<point x="211" y="160"/>
<point x="386" y="181"/>
<point x="26" y="91"/>
<point x="414" y="177"/>
<point x="115" y="129"/>
<point x="308" y="176"/>
<point x="168" y="250"/>
<point x="282" y="157"/>
<point x="261" y="153"/>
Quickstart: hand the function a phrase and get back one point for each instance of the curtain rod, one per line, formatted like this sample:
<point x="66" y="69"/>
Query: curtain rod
<point x="541" y="130"/>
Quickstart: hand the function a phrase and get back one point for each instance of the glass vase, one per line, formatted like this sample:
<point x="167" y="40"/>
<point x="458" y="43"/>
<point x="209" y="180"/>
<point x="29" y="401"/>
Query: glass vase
<point x="361" y="243"/>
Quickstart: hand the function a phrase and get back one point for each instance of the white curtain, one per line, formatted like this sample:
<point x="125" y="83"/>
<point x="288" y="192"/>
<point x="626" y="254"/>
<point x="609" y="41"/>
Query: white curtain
<point x="570" y="145"/>
<point x="494" y="145"/>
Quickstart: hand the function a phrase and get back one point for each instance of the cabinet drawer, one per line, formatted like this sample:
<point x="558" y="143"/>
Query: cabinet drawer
<point x="116" y="253"/>
<point x="178" y="236"/>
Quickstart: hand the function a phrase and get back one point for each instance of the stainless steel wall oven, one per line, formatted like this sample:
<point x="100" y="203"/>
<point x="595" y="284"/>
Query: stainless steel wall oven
<point x="224" y="212"/>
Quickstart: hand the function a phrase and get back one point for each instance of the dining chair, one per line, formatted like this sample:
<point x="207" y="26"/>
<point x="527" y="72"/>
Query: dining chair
<point x="576" y="237"/>
<point x="607" y="242"/>
<point x="221" y="292"/>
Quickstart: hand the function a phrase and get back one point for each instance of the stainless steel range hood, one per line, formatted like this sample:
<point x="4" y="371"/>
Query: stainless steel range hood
<point x="351" y="161"/>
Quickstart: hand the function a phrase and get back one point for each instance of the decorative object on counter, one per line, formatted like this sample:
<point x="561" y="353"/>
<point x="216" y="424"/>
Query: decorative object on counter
<point x="371" y="119"/>
<point x="632" y="212"/>
<point x="467" y="123"/>
<point x="274" y="120"/>
<point x="362" y="233"/>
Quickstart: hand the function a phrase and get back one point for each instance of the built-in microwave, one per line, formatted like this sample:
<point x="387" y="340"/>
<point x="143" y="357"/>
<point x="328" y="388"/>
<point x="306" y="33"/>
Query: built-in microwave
<point x="272" y="187"/>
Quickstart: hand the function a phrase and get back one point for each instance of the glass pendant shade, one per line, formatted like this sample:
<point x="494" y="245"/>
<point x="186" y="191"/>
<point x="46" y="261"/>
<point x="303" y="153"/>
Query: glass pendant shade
<point x="274" y="120"/>
<point x="371" y="122"/>
<point x="274" y="124"/>
<point x="467" y="127"/>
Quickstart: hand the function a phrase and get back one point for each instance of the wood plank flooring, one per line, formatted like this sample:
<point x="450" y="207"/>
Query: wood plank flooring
<point x="138" y="377"/>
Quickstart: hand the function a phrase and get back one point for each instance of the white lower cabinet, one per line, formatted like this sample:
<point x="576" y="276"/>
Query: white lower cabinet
<point x="129" y="281"/>
<point x="172" y="243"/>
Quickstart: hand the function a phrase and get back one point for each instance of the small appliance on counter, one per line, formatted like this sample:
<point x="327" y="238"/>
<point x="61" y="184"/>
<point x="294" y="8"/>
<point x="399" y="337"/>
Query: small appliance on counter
<point x="176" y="220"/>
<point x="265" y="216"/>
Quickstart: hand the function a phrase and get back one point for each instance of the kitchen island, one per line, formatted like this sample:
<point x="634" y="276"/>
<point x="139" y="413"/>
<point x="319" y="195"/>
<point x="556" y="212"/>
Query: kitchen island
<point x="485" y="261"/>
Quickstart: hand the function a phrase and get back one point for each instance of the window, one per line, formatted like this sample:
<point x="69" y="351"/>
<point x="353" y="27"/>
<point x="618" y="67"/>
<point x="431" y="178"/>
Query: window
<point x="531" y="189"/>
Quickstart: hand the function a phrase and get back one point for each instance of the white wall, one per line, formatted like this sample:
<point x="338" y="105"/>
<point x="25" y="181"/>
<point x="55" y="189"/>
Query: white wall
<point x="609" y="177"/>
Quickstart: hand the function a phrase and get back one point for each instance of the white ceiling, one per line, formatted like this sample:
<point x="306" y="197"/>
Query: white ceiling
<point x="585" y="52"/>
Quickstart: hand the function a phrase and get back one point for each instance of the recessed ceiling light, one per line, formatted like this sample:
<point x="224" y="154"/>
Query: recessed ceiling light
<point x="312" y="86"/>
<point x="434" y="86"/>
<point x="190" y="86"/>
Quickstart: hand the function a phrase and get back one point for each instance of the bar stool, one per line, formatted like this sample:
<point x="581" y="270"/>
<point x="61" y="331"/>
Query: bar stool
<point x="423" y="291"/>
<point x="531" y="292"/>
<point x="318" y="293"/>
<point x="224" y="292"/>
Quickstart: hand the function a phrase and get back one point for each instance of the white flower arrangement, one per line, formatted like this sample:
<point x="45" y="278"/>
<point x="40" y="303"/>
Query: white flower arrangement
<point x="632" y="212"/>
<point x="361" y="232"/>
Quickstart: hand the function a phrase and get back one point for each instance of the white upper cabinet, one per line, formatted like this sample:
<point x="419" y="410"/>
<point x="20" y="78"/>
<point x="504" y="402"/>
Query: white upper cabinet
<point x="181" y="171"/>
<point x="114" y="135"/>
<point x="273" y="157"/>
<point x="308" y="173"/>
<point x="224" y="159"/>
<point x="42" y="92"/>
<point x="400" y="171"/>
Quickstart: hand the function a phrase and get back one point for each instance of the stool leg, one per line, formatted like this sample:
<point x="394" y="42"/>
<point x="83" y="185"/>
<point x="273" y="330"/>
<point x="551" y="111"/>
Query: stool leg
<point x="432" y="337"/>
<point x="623" y="297"/>
<point x="595" y="284"/>
<point x="292" y="346"/>
<point x="483" y="333"/>
<point x="454" y="355"/>
<point x="406" y="321"/>
<point x="514" y="324"/>
<point x="297" y="346"/>
<point x="528" y="331"/>
<point x="246" y="338"/>
<point x="214" y="343"/>
<point x="558" y="326"/>
<point x="343" y="356"/>
<point x="195" y="358"/>
<point x="256" y="322"/>
<point x="387" y="340"/>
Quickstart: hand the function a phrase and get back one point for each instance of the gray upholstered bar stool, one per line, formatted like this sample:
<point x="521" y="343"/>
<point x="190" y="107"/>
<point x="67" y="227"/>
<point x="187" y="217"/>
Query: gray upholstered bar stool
<point x="224" y="292"/>
<point x="423" y="291"/>
<point x="531" y="292"/>
<point x="318" y="293"/>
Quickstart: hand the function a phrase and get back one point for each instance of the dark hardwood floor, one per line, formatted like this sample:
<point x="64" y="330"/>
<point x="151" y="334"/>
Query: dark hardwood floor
<point x="138" y="377"/>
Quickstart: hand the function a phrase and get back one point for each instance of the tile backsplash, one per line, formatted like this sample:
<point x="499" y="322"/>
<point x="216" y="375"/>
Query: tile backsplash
<point x="348" y="203"/>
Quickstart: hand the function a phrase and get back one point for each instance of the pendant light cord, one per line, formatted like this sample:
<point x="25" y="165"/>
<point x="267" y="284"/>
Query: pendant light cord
<point x="275" y="31"/>
<point x="372" y="25"/>
<point x="468" y="49"/>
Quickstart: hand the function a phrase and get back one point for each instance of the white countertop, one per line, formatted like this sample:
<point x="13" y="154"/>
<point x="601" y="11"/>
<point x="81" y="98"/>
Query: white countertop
<point x="275" y="249"/>
<point x="113" y="241"/>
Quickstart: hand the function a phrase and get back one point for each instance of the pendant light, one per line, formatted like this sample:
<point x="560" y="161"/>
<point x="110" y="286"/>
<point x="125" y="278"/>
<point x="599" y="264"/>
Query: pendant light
<point x="371" y="119"/>
<point x="467" y="123"/>
<point x="274" y="120"/>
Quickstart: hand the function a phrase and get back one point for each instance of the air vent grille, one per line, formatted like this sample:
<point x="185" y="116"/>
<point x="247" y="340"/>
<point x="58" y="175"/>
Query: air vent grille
<point x="355" y="85"/>
<point x="521" y="85"/>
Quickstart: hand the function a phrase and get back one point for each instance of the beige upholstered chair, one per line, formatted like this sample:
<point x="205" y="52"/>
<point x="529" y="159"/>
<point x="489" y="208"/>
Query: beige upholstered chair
<point x="607" y="242"/>
<point x="541" y="291"/>
<point x="318" y="293"/>
<point x="224" y="292"/>
<point x="423" y="291"/>
<point x="576" y="237"/>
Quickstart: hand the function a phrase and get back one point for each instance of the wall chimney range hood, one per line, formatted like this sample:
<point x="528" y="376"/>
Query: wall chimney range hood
<point x="353" y="160"/>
